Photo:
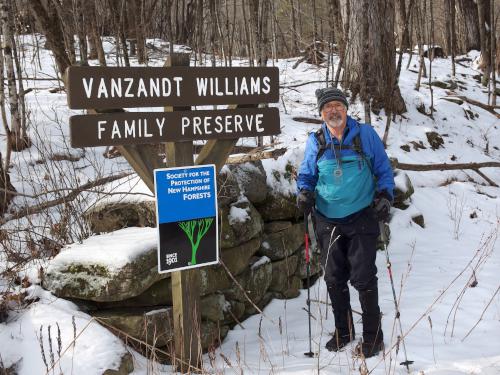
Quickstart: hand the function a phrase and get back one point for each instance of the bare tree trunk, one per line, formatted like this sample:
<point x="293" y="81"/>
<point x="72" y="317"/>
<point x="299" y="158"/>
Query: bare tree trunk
<point x="8" y="38"/>
<point x="403" y="19"/>
<point x="2" y="108"/>
<point x="420" y="41"/>
<point x="50" y="25"/>
<point x="431" y="54"/>
<point x="247" y="34"/>
<point x="213" y="29"/>
<point x="453" y="37"/>
<point x="80" y="21"/>
<point x="493" y="53"/>
<point x="447" y="25"/>
<point x="5" y="187"/>
<point x="17" y="61"/>
<point x="315" y="31"/>
<point x="64" y="10"/>
<point x="122" y="26"/>
<point x="96" y="37"/>
<point x="293" y="29"/>
<point x="372" y="64"/>
<point x="199" y="27"/>
<point x="483" y="10"/>
<point x="138" y="10"/>
<point x="343" y="36"/>
<point x="468" y="25"/>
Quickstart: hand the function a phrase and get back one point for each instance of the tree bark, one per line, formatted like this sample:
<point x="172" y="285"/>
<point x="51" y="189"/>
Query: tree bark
<point x="81" y="29"/>
<point x="483" y="10"/>
<point x="493" y="57"/>
<point x="8" y="37"/>
<point x="96" y="37"/>
<point x="293" y="29"/>
<point x="468" y="26"/>
<point x="371" y="63"/>
<point x="138" y="11"/>
<point x="6" y="188"/>
<point x="50" y="26"/>
<point x="344" y="38"/>
<point x="2" y="106"/>
<point x="403" y="24"/>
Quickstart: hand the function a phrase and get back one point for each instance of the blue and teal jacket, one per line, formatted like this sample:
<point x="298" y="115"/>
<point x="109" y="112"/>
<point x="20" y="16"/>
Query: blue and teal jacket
<point x="344" y="181"/>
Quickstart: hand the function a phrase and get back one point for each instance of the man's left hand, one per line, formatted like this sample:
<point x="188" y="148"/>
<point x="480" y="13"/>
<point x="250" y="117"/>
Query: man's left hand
<point x="382" y="205"/>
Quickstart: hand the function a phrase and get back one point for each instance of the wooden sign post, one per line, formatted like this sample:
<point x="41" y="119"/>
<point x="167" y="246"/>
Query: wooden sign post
<point x="105" y="91"/>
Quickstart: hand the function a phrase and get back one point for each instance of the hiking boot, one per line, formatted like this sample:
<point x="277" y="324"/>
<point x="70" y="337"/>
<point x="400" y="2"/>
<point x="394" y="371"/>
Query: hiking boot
<point x="337" y="342"/>
<point x="367" y="350"/>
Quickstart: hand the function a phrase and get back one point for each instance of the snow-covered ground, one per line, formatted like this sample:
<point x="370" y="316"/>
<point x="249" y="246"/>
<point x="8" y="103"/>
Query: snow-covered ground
<point x="446" y="274"/>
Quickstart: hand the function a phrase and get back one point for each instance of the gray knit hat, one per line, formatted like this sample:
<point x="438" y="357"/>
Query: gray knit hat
<point x="330" y="94"/>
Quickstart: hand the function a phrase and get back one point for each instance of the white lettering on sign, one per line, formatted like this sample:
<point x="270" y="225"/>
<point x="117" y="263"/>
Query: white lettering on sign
<point x="198" y="125"/>
<point x="87" y="85"/>
<point x="135" y="128"/>
<point x="160" y="125"/>
<point x="100" y="128"/>
<point x="132" y="87"/>
<point x="190" y="197"/>
<point x="236" y="87"/>
<point x="171" y="258"/>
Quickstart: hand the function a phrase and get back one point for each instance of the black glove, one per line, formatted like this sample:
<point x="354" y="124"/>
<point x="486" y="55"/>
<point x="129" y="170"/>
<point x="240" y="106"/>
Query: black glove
<point x="305" y="201"/>
<point x="382" y="205"/>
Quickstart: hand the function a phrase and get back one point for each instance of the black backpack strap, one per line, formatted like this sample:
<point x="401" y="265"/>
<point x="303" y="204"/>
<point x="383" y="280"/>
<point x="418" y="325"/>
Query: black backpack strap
<point x="320" y="137"/>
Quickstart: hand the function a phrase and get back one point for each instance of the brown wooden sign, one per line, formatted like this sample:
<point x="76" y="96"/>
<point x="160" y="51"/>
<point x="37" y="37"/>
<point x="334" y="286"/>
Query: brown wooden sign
<point x="157" y="127"/>
<point x="120" y="87"/>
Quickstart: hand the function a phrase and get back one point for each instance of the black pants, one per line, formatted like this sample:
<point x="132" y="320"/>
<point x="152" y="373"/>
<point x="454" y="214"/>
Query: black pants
<point x="349" y="250"/>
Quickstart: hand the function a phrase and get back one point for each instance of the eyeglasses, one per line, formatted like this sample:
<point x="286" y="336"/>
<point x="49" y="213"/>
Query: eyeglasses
<point x="328" y="107"/>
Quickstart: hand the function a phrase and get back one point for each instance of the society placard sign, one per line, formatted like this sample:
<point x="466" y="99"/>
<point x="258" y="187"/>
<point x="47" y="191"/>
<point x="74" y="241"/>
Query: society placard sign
<point x="186" y="209"/>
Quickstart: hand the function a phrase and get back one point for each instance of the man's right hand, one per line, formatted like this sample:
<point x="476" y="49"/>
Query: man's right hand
<point x="305" y="201"/>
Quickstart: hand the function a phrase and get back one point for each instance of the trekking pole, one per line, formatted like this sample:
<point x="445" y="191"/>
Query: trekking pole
<point x="308" y="271"/>
<point x="383" y="236"/>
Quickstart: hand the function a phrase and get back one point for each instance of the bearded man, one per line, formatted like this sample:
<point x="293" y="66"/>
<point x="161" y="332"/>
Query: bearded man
<point x="345" y="180"/>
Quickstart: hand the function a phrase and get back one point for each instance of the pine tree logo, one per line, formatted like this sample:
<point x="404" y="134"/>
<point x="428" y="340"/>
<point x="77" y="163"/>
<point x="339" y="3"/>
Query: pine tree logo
<point x="189" y="227"/>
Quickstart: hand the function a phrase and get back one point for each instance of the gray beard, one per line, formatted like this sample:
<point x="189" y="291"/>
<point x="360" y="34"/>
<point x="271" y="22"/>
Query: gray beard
<point x="335" y="122"/>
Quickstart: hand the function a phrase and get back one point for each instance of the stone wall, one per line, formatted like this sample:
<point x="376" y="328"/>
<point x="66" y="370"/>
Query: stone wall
<point x="263" y="252"/>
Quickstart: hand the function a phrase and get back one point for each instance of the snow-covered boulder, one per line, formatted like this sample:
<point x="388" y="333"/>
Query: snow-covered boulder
<point x="404" y="189"/>
<point x="251" y="178"/>
<point x="109" y="267"/>
<point x="228" y="189"/>
<point x="240" y="223"/>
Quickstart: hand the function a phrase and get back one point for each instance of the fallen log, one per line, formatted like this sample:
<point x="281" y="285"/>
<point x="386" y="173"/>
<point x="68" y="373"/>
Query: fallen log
<point x="444" y="166"/>
<point x="308" y="120"/>
<point x="486" y="107"/>
<point x="237" y="159"/>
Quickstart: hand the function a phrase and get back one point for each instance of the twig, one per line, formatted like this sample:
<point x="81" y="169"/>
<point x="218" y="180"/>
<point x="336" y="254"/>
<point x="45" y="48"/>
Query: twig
<point x="71" y="196"/>
<point x="428" y="310"/>
<point x="481" y="317"/>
